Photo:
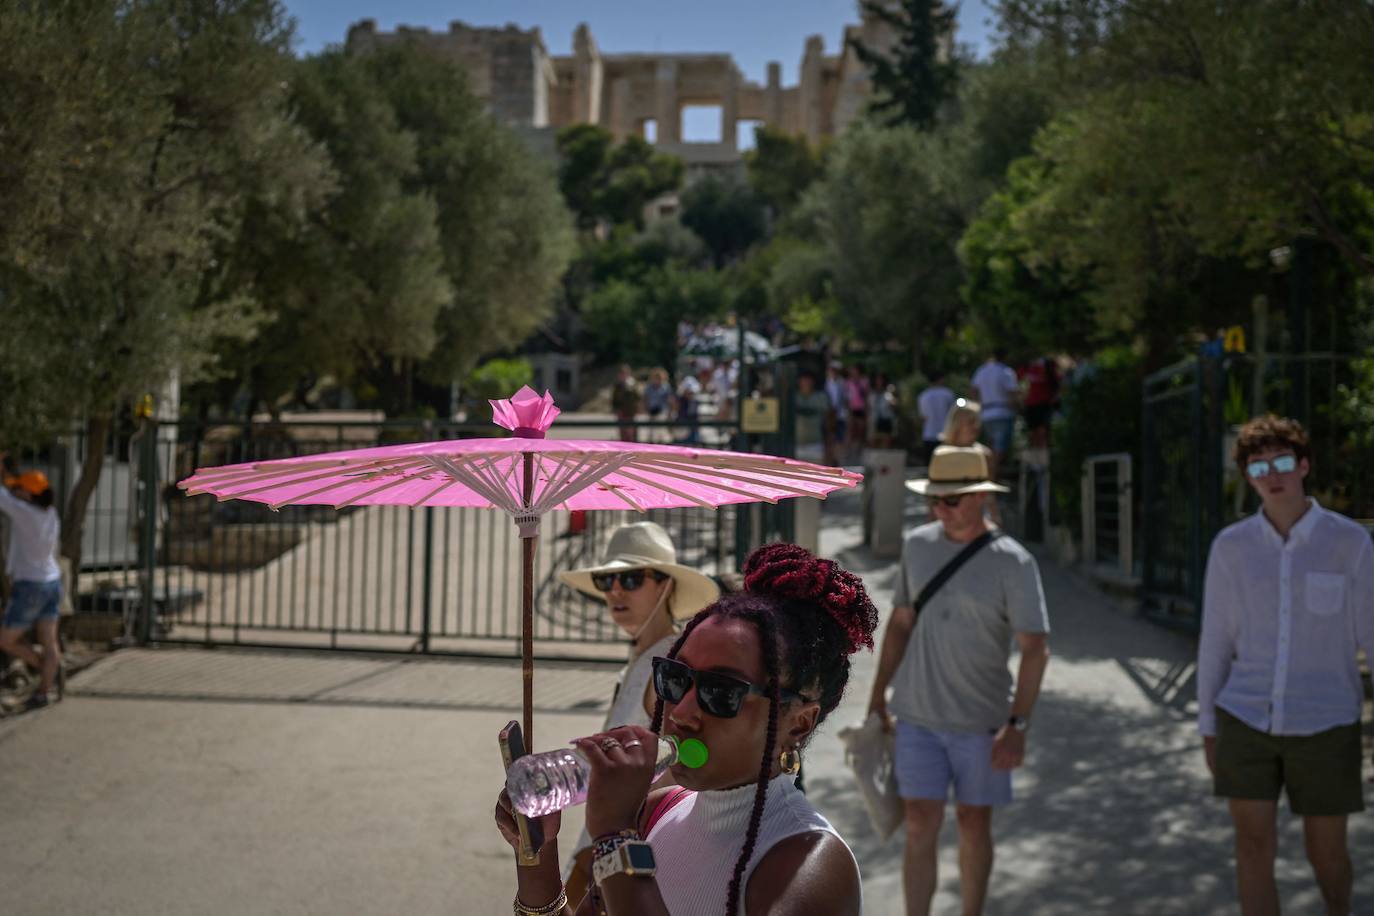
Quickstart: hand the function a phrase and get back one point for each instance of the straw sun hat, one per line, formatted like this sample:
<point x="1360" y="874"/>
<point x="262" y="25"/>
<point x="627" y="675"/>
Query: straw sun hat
<point x="645" y="545"/>
<point x="954" y="471"/>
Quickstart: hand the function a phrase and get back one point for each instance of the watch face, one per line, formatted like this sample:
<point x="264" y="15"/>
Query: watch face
<point x="641" y="855"/>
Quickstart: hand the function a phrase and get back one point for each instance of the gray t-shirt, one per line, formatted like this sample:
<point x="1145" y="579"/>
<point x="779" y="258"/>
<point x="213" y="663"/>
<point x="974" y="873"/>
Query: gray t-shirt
<point x="954" y="675"/>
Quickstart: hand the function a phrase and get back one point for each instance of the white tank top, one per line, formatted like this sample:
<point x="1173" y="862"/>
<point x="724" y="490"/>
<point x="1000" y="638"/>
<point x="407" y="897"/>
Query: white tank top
<point x="627" y="708"/>
<point x="698" y="840"/>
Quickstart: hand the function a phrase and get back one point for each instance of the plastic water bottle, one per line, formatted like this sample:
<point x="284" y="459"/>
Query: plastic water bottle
<point x="540" y="784"/>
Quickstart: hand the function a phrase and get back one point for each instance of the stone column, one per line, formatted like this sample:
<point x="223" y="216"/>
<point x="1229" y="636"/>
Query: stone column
<point x="773" y="97"/>
<point x="667" y="112"/>
<point x="811" y="86"/>
<point x="618" y="118"/>
<point x="586" y="89"/>
<point x="729" y="108"/>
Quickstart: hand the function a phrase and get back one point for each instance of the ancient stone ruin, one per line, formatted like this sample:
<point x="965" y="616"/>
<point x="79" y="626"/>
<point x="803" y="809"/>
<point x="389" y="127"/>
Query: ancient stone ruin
<point x="645" y="94"/>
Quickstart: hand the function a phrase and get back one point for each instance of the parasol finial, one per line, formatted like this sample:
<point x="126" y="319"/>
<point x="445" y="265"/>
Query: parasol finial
<point x="525" y="413"/>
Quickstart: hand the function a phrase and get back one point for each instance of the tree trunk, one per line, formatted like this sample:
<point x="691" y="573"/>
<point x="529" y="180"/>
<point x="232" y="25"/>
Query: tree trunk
<point x="74" y="513"/>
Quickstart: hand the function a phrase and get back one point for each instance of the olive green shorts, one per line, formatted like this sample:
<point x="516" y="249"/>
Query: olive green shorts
<point x="1320" y="772"/>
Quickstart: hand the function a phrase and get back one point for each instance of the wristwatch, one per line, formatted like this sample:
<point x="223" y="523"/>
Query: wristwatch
<point x="633" y="858"/>
<point x="1020" y="723"/>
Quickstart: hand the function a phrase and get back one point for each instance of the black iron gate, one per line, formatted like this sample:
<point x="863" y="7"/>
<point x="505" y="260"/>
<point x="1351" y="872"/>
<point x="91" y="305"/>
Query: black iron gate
<point x="195" y="570"/>
<point x="1190" y="487"/>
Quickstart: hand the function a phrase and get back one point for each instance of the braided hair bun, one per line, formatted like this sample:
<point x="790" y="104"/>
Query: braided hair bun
<point x="793" y="573"/>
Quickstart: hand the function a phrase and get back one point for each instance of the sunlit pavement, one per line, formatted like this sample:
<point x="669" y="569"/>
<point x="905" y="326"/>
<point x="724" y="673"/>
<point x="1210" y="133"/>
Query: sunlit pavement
<point x="190" y="781"/>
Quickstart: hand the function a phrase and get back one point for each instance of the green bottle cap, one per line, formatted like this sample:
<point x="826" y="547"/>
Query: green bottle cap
<point x="692" y="754"/>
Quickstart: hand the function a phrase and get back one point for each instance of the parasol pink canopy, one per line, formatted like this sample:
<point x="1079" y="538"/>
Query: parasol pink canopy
<point x="566" y="474"/>
<point x="527" y="476"/>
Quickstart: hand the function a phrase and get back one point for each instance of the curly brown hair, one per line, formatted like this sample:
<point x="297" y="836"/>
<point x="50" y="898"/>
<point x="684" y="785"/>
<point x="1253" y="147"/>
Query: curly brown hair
<point x="1270" y="432"/>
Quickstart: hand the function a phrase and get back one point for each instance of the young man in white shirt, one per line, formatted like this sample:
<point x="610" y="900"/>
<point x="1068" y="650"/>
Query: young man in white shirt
<point x="996" y="388"/>
<point x="934" y="405"/>
<point x="1289" y="599"/>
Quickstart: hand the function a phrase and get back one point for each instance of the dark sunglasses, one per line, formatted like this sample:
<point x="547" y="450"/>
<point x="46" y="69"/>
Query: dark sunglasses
<point x="1283" y="464"/>
<point x="630" y="579"/>
<point x="949" y="502"/>
<point x="720" y="695"/>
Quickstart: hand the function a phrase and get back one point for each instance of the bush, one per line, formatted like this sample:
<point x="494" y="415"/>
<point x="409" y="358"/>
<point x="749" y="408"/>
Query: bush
<point x="1099" y="414"/>
<point x="495" y="378"/>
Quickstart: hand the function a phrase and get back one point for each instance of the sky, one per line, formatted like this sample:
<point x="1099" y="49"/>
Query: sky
<point x="753" y="31"/>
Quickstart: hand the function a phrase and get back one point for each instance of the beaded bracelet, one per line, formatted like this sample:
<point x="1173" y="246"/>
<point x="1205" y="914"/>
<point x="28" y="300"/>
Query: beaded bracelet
<point x="547" y="910"/>
<point x="609" y="843"/>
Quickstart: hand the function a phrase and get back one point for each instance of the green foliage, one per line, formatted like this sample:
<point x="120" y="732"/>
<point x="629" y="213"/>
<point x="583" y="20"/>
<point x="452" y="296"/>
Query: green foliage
<point x="504" y="232"/>
<point x="781" y="167"/>
<point x="888" y="226"/>
<point x="136" y="137"/>
<point x="603" y="181"/>
<point x="726" y="215"/>
<point x="362" y="281"/>
<point x="495" y="378"/>
<point x="1251" y="122"/>
<point x="636" y="322"/>
<point x="917" y="75"/>
<point x="1016" y="297"/>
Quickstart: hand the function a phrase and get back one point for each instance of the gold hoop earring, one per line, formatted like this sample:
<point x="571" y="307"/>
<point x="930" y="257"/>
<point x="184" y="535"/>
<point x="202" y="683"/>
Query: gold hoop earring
<point x="790" y="762"/>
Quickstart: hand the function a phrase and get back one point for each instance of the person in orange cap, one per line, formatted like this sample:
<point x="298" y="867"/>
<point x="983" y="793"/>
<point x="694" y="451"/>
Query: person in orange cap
<point x="31" y="564"/>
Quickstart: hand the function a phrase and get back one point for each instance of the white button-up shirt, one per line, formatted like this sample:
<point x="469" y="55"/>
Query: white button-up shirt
<point x="1281" y="622"/>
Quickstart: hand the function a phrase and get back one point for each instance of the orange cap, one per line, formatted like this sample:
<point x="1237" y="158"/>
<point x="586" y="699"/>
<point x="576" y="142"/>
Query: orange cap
<point x="33" y="481"/>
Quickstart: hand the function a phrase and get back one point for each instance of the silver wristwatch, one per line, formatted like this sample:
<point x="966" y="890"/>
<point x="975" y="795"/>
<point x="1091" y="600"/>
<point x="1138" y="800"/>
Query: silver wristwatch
<point x="1020" y="723"/>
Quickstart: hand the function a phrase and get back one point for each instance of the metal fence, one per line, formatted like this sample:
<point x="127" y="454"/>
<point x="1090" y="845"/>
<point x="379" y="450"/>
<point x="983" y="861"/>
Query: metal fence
<point x="1190" y="487"/>
<point x="1108" y="513"/>
<point x="192" y="569"/>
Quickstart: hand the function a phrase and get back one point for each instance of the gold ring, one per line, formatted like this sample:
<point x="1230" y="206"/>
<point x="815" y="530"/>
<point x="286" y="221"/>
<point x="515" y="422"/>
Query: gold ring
<point x="633" y="742"/>
<point x="609" y="744"/>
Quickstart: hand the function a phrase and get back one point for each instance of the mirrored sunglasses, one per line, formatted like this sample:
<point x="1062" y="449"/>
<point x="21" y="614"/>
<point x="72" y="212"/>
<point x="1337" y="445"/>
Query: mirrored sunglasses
<point x="719" y="695"/>
<point x="1283" y="464"/>
<point x="630" y="579"/>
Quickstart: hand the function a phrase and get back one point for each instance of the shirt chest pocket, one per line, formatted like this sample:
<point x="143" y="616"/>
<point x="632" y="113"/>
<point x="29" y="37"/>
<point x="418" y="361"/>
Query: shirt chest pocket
<point x="1324" y="593"/>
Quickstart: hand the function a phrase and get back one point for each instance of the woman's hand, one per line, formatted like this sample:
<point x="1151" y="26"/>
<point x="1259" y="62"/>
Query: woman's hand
<point x="622" y="762"/>
<point x="505" y="822"/>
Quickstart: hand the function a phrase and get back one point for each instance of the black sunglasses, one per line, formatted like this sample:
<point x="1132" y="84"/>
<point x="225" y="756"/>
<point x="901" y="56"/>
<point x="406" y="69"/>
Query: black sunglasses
<point x="949" y="502"/>
<point x="720" y="695"/>
<point x="630" y="579"/>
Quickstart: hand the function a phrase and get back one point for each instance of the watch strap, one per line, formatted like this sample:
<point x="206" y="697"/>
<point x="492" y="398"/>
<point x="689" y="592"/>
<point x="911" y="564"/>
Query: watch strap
<point x="617" y="861"/>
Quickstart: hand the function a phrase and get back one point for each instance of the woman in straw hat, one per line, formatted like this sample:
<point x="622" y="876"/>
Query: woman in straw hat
<point x="646" y="592"/>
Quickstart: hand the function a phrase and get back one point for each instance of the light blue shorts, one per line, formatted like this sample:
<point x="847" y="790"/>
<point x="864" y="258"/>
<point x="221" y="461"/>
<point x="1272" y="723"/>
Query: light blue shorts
<point x="928" y="761"/>
<point x="998" y="434"/>
<point x="31" y="602"/>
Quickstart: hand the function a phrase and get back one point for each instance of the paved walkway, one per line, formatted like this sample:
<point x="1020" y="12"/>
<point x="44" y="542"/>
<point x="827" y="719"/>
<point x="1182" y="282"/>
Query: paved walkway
<point x="224" y="782"/>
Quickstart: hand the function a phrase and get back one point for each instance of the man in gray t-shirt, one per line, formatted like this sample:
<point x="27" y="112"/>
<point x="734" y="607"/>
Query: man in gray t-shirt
<point x="961" y="720"/>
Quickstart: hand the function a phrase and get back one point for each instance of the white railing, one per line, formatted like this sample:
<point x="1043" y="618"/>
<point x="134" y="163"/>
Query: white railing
<point x="1108" y="520"/>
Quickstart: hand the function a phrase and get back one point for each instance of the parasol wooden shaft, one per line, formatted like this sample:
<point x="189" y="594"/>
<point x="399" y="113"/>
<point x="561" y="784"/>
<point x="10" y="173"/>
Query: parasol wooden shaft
<point x="527" y="545"/>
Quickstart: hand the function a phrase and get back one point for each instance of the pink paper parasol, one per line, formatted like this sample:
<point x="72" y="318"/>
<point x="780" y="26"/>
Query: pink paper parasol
<point x="527" y="476"/>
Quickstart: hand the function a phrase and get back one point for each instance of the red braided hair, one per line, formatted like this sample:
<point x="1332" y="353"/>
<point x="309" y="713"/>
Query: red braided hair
<point x="792" y="572"/>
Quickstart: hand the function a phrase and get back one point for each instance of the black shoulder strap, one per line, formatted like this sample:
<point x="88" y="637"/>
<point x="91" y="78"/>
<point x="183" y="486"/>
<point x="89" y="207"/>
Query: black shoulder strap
<point x="949" y="569"/>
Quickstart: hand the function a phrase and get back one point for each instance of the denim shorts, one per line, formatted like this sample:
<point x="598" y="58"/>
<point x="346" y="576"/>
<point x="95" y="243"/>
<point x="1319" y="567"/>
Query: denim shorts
<point x="929" y="761"/>
<point x="998" y="433"/>
<point x="31" y="602"/>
